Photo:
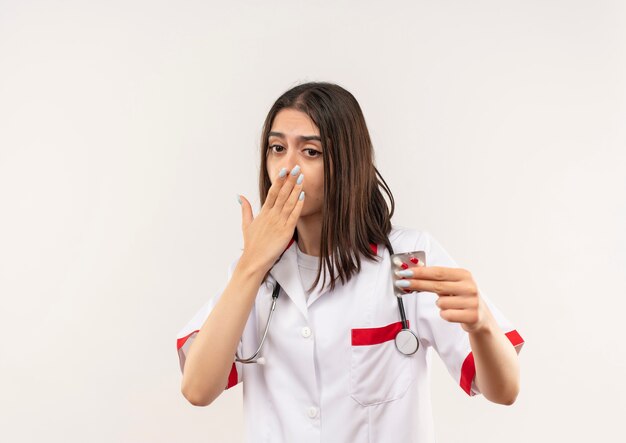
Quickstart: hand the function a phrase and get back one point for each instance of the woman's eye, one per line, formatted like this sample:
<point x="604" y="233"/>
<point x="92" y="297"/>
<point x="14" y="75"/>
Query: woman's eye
<point x="313" y="152"/>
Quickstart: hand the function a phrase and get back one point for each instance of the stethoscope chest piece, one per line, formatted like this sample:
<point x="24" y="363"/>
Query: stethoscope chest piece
<point x="407" y="342"/>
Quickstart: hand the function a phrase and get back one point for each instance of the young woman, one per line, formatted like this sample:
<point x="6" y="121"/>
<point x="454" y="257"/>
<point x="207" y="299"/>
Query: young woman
<point x="330" y="368"/>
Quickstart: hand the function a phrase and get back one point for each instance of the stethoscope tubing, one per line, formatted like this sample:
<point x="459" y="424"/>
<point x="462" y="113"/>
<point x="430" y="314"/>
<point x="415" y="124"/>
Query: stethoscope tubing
<point x="253" y="358"/>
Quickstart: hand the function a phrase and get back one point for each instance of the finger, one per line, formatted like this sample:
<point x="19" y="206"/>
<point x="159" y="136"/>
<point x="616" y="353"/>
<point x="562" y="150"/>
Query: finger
<point x="272" y="193"/>
<point x="246" y="212"/>
<point x="460" y="315"/>
<point x="286" y="189"/>
<point x="295" y="214"/>
<point x="291" y="202"/>
<point x="439" y="273"/>
<point x="457" y="302"/>
<point x="436" y="286"/>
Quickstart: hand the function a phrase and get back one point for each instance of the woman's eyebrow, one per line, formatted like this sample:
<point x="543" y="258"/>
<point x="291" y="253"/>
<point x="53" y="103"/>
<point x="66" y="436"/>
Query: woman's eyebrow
<point x="300" y="137"/>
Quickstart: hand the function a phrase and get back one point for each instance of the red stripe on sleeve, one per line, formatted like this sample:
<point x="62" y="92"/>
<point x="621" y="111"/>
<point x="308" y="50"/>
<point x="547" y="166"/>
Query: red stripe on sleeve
<point x="181" y="341"/>
<point x="374" y="336"/>
<point x="232" y="377"/>
<point x="514" y="338"/>
<point x="468" y="370"/>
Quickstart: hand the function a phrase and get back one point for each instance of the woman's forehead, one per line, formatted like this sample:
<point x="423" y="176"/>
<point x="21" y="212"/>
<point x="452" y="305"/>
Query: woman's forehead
<point x="293" y="123"/>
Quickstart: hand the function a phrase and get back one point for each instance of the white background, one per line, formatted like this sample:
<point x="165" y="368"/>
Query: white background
<point x="127" y="128"/>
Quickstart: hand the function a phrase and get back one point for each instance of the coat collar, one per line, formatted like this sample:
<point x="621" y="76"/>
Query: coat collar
<point x="285" y="271"/>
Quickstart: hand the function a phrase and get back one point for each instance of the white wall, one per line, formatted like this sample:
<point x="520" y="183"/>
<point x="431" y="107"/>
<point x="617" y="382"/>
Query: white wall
<point x="127" y="127"/>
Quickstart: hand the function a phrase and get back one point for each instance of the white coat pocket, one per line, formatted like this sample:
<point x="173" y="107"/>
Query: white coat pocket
<point x="378" y="371"/>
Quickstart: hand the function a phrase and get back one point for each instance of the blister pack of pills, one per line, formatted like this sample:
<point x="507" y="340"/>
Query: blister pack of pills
<point x="402" y="261"/>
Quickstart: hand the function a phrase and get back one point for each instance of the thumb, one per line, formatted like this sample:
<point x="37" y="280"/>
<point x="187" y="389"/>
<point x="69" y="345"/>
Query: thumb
<point x="246" y="211"/>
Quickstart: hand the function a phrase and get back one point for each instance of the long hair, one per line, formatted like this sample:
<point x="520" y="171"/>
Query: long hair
<point x="354" y="212"/>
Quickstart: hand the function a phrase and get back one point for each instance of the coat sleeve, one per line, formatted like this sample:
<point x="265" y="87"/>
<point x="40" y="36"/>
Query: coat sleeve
<point x="187" y="334"/>
<point x="449" y="339"/>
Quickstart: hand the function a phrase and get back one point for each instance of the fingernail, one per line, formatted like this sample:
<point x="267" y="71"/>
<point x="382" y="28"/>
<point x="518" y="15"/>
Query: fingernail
<point x="282" y="172"/>
<point x="405" y="273"/>
<point x="295" y="170"/>
<point x="238" y="199"/>
<point x="402" y="283"/>
<point x="301" y="196"/>
<point x="300" y="178"/>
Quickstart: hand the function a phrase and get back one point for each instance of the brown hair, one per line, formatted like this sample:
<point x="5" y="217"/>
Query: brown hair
<point x="354" y="212"/>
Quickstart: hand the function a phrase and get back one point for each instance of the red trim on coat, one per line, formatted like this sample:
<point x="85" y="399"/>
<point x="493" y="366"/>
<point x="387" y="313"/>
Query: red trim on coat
<point x="232" y="377"/>
<point x="181" y="341"/>
<point x="374" y="336"/>
<point x="468" y="370"/>
<point x="514" y="338"/>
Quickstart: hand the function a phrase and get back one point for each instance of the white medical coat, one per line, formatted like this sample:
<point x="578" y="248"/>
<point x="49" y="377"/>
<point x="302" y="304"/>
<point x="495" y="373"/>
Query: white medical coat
<point x="332" y="372"/>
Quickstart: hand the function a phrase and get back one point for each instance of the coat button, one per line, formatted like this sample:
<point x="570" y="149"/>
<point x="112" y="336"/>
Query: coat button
<point x="306" y="332"/>
<point x="312" y="412"/>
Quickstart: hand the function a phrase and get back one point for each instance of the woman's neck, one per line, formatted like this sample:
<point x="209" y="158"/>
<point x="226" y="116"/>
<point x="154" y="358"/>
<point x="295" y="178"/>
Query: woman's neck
<point x="309" y="234"/>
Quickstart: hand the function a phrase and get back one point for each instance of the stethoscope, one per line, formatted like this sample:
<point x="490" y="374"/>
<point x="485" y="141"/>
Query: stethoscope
<point x="406" y="340"/>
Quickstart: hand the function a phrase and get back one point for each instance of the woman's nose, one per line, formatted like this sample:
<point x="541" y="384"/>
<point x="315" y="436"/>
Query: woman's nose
<point x="289" y="161"/>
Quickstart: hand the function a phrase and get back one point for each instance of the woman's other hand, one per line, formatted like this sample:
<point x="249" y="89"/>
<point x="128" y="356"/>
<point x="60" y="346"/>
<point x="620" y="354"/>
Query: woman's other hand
<point x="459" y="299"/>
